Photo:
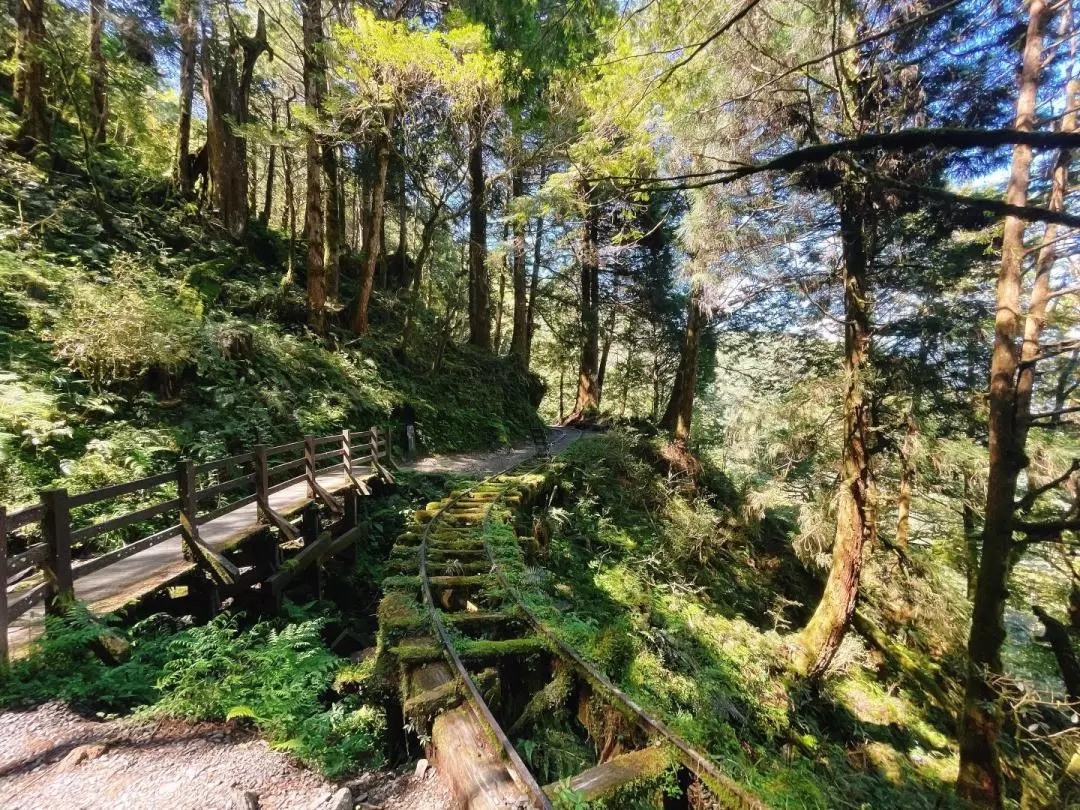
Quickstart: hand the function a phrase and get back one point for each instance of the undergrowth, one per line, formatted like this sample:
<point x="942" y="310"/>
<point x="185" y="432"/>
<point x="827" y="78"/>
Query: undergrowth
<point x="277" y="675"/>
<point x="684" y="599"/>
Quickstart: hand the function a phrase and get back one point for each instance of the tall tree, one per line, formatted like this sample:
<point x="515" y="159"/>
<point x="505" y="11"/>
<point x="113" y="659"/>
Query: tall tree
<point x="980" y="779"/>
<point x="680" y="410"/>
<point x="588" y="393"/>
<point x="314" y="86"/>
<point x="29" y="86"/>
<point x="519" y="337"/>
<point x="479" y="283"/>
<point x="186" y="23"/>
<point x="99" y="71"/>
<point x="227" y="92"/>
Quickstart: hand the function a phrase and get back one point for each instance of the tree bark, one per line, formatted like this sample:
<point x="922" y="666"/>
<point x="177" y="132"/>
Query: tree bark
<point x="227" y="92"/>
<point x="271" y="165"/>
<point x="29" y="84"/>
<point x="185" y="21"/>
<point x="479" y="284"/>
<point x="99" y="112"/>
<point x="314" y="226"/>
<point x="680" y="409"/>
<point x="980" y="778"/>
<point x="335" y="225"/>
<point x="374" y="243"/>
<point x="588" y="394"/>
<point x="534" y="283"/>
<point x="519" y="337"/>
<point x="1057" y="636"/>
<point x="820" y="638"/>
<point x="907" y="481"/>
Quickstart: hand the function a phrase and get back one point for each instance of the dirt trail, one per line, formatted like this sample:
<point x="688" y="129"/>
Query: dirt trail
<point x="53" y="757"/>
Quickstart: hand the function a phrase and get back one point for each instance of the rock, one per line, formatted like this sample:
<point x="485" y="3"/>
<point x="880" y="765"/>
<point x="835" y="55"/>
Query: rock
<point x="84" y="753"/>
<point x="342" y="800"/>
<point x="421" y="768"/>
<point x="249" y="800"/>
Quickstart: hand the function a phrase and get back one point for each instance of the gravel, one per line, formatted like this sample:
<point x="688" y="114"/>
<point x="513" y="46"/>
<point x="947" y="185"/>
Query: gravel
<point x="52" y="757"/>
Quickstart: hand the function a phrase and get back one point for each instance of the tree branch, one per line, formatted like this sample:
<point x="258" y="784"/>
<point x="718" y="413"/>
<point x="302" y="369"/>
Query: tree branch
<point x="1033" y="495"/>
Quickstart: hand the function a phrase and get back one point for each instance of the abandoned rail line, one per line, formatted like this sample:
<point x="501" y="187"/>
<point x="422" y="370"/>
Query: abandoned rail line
<point x="444" y="678"/>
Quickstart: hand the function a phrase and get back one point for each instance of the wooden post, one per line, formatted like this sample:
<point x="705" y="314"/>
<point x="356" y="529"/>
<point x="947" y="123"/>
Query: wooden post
<point x="309" y="524"/>
<point x="57" y="528"/>
<point x="346" y="452"/>
<point x="185" y="487"/>
<point x="309" y="465"/>
<point x="3" y="596"/>
<point x="373" y="443"/>
<point x="352" y="509"/>
<point x="262" y="483"/>
<point x="389" y="435"/>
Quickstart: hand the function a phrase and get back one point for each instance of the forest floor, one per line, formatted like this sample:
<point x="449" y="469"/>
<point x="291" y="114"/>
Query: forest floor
<point x="54" y="757"/>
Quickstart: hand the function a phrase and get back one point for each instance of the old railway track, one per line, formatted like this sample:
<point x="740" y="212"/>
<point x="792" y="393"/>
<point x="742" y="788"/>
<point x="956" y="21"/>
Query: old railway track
<point x="449" y="680"/>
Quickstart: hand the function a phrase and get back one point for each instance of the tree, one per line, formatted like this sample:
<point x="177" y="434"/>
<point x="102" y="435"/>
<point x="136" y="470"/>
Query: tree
<point x="479" y="283"/>
<point x="980" y="777"/>
<point x="227" y="90"/>
<point x="99" y="72"/>
<point x="29" y="85"/>
<point x="314" y="87"/>
<point x="186" y="23"/>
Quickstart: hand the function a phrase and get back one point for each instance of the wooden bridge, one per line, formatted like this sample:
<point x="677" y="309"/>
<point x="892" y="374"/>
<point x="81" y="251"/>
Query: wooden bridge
<point x="211" y="508"/>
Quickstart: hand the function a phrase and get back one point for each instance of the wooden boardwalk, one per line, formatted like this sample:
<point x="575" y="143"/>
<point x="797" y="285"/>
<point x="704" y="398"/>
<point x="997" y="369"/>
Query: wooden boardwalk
<point x="132" y="578"/>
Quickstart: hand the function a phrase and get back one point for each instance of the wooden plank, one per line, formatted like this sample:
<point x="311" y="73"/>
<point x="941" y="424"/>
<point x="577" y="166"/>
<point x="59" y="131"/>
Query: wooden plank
<point x="221" y="463"/>
<point x="34" y="555"/>
<point x="116" y="490"/>
<point x="603" y="780"/>
<point x="86" y="567"/>
<point x="120" y="522"/>
<point x="224" y="509"/>
<point x="225" y="486"/>
<point x="18" y="518"/>
<point x="17" y="607"/>
<point x="464" y="755"/>
<point x="222" y="571"/>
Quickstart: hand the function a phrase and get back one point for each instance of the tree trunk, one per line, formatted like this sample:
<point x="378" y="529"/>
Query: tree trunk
<point x="609" y="338"/>
<point x="534" y="282"/>
<point x="374" y="246"/>
<point x="519" y="337"/>
<point x="980" y="779"/>
<point x="29" y="84"/>
<point x="314" y="227"/>
<point x="479" y="284"/>
<point x="185" y="21"/>
<point x="588" y="394"/>
<point x="680" y="408"/>
<point x="99" y="110"/>
<point x="820" y="638"/>
<point x="1057" y="636"/>
<point x="403" y="222"/>
<point x="496" y="342"/>
<point x="226" y="93"/>
<point x="334" y="217"/>
<point x="271" y="165"/>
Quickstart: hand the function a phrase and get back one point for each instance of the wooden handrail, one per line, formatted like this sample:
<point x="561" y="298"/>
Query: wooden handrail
<point x="53" y="513"/>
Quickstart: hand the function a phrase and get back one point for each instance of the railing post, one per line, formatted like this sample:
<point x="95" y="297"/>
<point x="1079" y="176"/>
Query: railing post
<point x="352" y="508"/>
<point x="57" y="529"/>
<point x="373" y="444"/>
<point x="309" y="524"/>
<point x="309" y="465"/>
<point x="389" y="456"/>
<point x="346" y="452"/>
<point x="185" y="488"/>
<point x="3" y="596"/>
<point x="262" y="482"/>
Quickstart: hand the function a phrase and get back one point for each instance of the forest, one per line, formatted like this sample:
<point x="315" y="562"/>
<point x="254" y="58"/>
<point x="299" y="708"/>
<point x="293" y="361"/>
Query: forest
<point x="793" y="282"/>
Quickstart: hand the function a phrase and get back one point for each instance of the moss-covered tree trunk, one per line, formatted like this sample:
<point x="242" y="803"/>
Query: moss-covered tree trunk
<point x="99" y="107"/>
<point x="373" y="245"/>
<point x="680" y="408"/>
<point x="820" y="638"/>
<point x="479" y="284"/>
<point x="588" y="394"/>
<point x="29" y="85"/>
<point x="185" y="22"/>
<point x="271" y="167"/>
<point x="980" y="779"/>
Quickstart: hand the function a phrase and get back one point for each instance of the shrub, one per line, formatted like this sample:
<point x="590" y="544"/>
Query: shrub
<point x="126" y="327"/>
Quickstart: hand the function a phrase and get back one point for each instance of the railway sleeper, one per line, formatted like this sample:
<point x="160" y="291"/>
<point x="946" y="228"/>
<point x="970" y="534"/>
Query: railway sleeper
<point x="605" y="780"/>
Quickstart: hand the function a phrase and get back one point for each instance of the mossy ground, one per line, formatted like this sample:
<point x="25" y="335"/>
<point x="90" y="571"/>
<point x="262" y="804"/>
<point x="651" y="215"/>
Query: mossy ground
<point x="685" y="604"/>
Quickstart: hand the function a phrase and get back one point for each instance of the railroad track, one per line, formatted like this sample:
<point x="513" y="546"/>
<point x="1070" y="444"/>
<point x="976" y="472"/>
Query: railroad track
<point x="447" y="669"/>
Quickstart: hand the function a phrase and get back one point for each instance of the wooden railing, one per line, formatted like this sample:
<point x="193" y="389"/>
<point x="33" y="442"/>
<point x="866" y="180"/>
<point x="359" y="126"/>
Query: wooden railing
<point x="257" y="474"/>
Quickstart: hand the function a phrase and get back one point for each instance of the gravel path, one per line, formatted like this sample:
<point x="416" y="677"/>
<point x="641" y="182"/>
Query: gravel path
<point x="53" y="757"/>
